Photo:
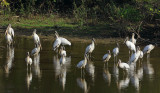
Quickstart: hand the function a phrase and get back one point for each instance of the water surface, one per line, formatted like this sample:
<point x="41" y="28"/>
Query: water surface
<point x="47" y="76"/>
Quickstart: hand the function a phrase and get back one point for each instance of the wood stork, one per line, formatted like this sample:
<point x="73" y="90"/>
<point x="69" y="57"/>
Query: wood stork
<point x="8" y="38"/>
<point x="82" y="64"/>
<point x="106" y="57"/>
<point x="90" y="48"/>
<point x="62" y="59"/>
<point x="116" y="52"/>
<point x="64" y="41"/>
<point x="130" y="45"/>
<point x="147" y="49"/>
<point x="123" y="65"/>
<point x="35" y="37"/>
<point x="56" y="43"/>
<point x="28" y="60"/>
<point x="10" y="30"/>
<point x="133" y="58"/>
<point x="36" y="50"/>
<point x="62" y="51"/>
<point x="133" y="40"/>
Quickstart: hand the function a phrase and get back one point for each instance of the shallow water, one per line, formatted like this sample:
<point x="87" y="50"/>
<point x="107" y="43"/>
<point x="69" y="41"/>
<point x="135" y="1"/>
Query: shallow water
<point x="47" y="76"/>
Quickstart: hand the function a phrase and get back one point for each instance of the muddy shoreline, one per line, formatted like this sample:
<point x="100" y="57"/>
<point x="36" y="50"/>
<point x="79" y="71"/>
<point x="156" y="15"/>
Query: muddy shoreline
<point x="50" y="36"/>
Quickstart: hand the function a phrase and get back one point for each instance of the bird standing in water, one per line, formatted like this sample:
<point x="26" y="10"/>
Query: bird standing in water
<point x="35" y="37"/>
<point x="90" y="48"/>
<point x="28" y="60"/>
<point x="106" y="57"/>
<point x="116" y="52"/>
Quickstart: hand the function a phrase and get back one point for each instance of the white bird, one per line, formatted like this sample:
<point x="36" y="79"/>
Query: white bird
<point x="141" y="54"/>
<point x="10" y="30"/>
<point x="64" y="41"/>
<point x="62" y="60"/>
<point x="106" y="57"/>
<point x="123" y="65"/>
<point x="147" y="49"/>
<point x="130" y="45"/>
<point x="90" y="48"/>
<point x="35" y="37"/>
<point x="28" y="60"/>
<point x="56" y="43"/>
<point x="8" y="37"/>
<point x="116" y="52"/>
<point x="133" y="58"/>
<point x="36" y="50"/>
<point x="82" y="64"/>
<point x="133" y="40"/>
<point x="62" y="51"/>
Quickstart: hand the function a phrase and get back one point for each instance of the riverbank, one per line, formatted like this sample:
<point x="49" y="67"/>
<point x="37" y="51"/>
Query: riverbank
<point x="67" y="27"/>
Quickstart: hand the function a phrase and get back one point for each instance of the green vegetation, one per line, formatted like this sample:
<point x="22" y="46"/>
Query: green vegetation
<point x="102" y="18"/>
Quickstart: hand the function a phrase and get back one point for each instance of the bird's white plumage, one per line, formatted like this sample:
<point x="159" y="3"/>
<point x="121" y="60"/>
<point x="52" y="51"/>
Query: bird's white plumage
<point x="131" y="46"/>
<point x="123" y="65"/>
<point x="148" y="48"/>
<point x="35" y="51"/>
<point x="8" y="38"/>
<point x="106" y="57"/>
<point x="28" y="60"/>
<point x="62" y="60"/>
<point x="36" y="38"/>
<point x="133" y="40"/>
<point x="11" y="31"/>
<point x="62" y="52"/>
<point x="82" y="64"/>
<point x="56" y="44"/>
<point x="115" y="51"/>
<point x="141" y="54"/>
<point x="133" y="57"/>
<point x="64" y="41"/>
<point x="90" y="48"/>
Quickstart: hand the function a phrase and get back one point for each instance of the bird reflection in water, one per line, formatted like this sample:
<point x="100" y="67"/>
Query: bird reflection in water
<point x="116" y="73"/>
<point x="9" y="60"/>
<point x="91" y="69"/>
<point x="82" y="84"/>
<point x="148" y="69"/>
<point x="124" y="83"/>
<point x="29" y="79"/>
<point x="36" y="67"/>
<point x="61" y="70"/>
<point x="62" y="77"/>
<point x="107" y="75"/>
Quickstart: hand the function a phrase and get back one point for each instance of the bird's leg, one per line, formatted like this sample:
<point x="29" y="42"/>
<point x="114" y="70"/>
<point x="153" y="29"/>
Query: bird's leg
<point x="114" y="59"/>
<point x="107" y="64"/>
<point x="104" y="65"/>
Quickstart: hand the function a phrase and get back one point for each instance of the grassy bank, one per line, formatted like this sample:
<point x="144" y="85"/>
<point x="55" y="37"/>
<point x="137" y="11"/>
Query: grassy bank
<point x="64" y="25"/>
<point x="47" y="24"/>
